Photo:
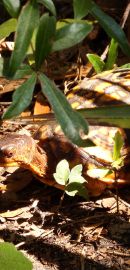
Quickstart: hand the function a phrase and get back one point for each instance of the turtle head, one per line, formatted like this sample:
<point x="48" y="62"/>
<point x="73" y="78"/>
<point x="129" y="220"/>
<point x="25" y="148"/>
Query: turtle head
<point x="15" y="149"/>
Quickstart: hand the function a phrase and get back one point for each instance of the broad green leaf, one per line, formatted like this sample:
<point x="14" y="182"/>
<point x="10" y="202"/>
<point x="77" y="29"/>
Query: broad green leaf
<point x="21" y="98"/>
<point x="44" y="38"/>
<point x="26" y="24"/>
<point x="118" y="144"/>
<point x="75" y="175"/>
<point x="7" y="28"/>
<point x="71" y="189"/>
<point x="71" y="122"/>
<point x="76" y="188"/>
<point x="31" y="48"/>
<point x="62" y="172"/>
<point x="23" y="71"/>
<point x="125" y="66"/>
<point x="13" y="7"/>
<point x="77" y="170"/>
<point x="108" y="115"/>
<point x="118" y="116"/>
<point x="70" y="35"/>
<point x="76" y="178"/>
<point x="112" y="55"/>
<point x="110" y="26"/>
<point x="61" y="23"/>
<point x="11" y="258"/>
<point x="80" y="8"/>
<point x="96" y="61"/>
<point x="4" y="63"/>
<point x="83" y="192"/>
<point x="49" y="5"/>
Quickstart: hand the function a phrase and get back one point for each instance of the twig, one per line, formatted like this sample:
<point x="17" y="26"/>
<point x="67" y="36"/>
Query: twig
<point x="120" y="200"/>
<point x="118" y="253"/>
<point x="125" y="15"/>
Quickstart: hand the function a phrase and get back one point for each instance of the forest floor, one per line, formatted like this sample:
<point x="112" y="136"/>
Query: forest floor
<point x="81" y="235"/>
<point x="86" y="235"/>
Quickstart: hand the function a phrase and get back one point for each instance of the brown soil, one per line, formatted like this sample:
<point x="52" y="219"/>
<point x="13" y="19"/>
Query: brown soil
<point x="82" y="235"/>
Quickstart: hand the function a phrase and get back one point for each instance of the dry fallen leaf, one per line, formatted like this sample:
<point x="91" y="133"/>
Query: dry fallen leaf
<point x="41" y="106"/>
<point x="14" y="213"/>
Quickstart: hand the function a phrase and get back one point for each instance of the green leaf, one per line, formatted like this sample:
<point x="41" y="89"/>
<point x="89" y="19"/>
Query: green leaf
<point x="117" y="164"/>
<point x="110" y="26"/>
<point x="76" y="188"/>
<point x="125" y="66"/>
<point x="70" y="35"/>
<point x="71" y="122"/>
<point x="75" y="175"/>
<point x="1" y="66"/>
<point x="26" y="24"/>
<point x="7" y="28"/>
<point x="77" y="179"/>
<point x="77" y="170"/>
<point x="23" y="71"/>
<point x="45" y="36"/>
<point x="83" y="192"/>
<point x="80" y="8"/>
<point x="61" y="23"/>
<point x="108" y="115"/>
<point x="31" y="48"/>
<point x="71" y="189"/>
<point x="112" y="55"/>
<point x="96" y="61"/>
<point x="118" y="116"/>
<point x="13" y="7"/>
<point x="49" y="5"/>
<point x="11" y="258"/>
<point x="4" y="63"/>
<point x="21" y="98"/>
<point x="118" y="144"/>
<point x="62" y="172"/>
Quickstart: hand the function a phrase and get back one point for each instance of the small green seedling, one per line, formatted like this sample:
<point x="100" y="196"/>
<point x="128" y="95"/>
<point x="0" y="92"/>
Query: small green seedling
<point x="97" y="62"/>
<point x="71" y="179"/>
<point x="118" y="160"/>
<point x="117" y="163"/>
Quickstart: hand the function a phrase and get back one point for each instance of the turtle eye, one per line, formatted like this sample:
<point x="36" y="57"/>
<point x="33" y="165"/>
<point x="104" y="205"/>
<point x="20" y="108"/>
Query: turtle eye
<point x="8" y="152"/>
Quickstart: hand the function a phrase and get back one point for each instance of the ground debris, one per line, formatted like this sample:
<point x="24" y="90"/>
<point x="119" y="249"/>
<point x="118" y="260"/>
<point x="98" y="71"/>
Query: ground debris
<point x="82" y="235"/>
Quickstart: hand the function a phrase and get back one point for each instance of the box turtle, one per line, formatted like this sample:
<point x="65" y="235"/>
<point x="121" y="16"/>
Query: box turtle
<point x="42" y="153"/>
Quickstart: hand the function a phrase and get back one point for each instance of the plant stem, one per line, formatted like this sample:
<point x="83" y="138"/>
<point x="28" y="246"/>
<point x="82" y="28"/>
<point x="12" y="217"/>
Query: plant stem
<point x="117" y="193"/>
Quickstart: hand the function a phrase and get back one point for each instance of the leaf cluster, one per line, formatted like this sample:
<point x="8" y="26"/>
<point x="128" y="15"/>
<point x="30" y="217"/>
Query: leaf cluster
<point x="71" y="179"/>
<point x="38" y="35"/>
<point x="117" y="158"/>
